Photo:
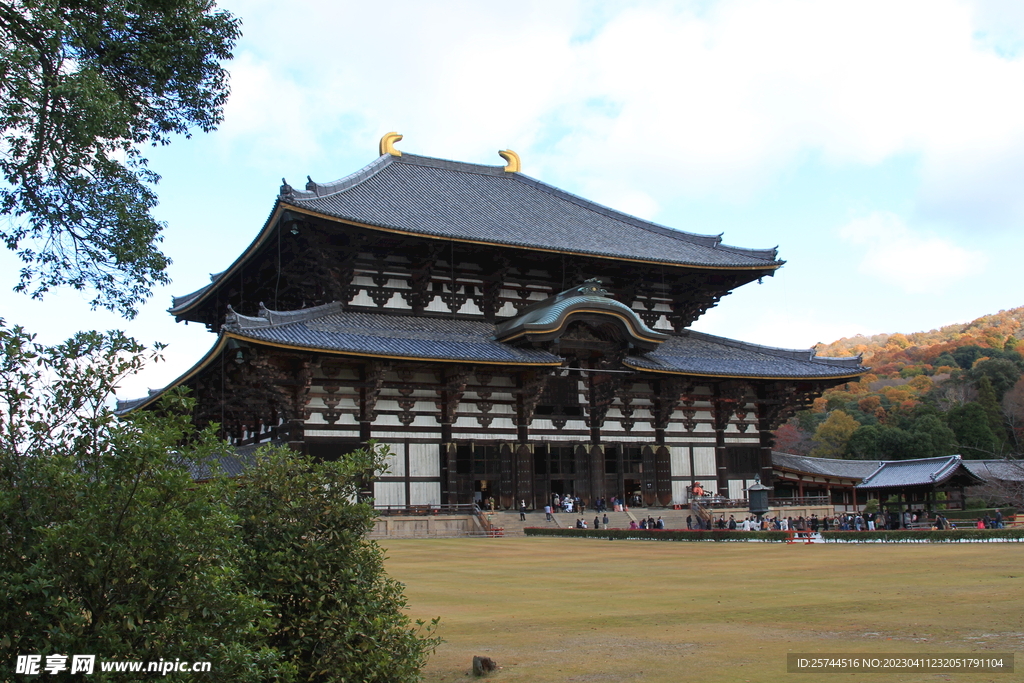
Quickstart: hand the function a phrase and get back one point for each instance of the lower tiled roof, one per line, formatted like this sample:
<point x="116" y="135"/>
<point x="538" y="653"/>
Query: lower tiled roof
<point x="330" y="328"/>
<point x="704" y="354"/>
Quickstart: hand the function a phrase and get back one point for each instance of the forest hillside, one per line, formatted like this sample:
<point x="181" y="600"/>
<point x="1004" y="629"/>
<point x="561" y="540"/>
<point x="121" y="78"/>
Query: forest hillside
<point x="954" y="390"/>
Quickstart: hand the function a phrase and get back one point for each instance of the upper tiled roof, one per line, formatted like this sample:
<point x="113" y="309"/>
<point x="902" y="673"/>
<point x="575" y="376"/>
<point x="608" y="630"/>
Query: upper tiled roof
<point x="920" y="472"/>
<point x="826" y="467"/>
<point x="697" y="353"/>
<point x="478" y="203"/>
<point x="330" y="328"/>
<point x="488" y="205"/>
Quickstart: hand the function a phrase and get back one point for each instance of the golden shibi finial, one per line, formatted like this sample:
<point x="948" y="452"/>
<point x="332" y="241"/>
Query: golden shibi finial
<point x="514" y="165"/>
<point x="387" y="144"/>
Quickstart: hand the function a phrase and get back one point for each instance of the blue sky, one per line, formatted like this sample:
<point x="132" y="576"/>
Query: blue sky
<point x="880" y="145"/>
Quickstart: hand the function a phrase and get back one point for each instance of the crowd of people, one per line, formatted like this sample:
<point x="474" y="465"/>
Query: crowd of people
<point x="860" y="521"/>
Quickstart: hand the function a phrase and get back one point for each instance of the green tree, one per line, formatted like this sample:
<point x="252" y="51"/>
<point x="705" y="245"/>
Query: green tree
<point x="966" y="355"/>
<point x="108" y="547"/>
<point x="832" y="435"/>
<point x="1001" y="373"/>
<point x="83" y="86"/>
<point x="863" y="444"/>
<point x="974" y="436"/>
<point x="932" y="437"/>
<point x="340" y="616"/>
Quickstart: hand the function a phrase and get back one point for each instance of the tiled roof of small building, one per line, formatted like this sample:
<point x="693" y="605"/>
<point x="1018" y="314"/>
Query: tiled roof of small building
<point x="826" y="467"/>
<point x="474" y="202"/>
<point x="228" y="464"/>
<point x="696" y="353"/>
<point x="1003" y="470"/>
<point x="330" y="328"/>
<point x="920" y="472"/>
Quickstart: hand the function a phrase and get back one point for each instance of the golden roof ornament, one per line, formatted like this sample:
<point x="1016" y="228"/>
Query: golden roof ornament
<point x="387" y="144"/>
<point x="514" y="165"/>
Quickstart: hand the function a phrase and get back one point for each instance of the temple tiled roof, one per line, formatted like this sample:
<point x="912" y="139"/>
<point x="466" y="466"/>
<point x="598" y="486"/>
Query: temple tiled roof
<point x="487" y="205"/>
<point x="920" y="472"/>
<point x="826" y="467"/>
<point x="473" y="202"/>
<point x="1003" y="470"/>
<point x="329" y="328"/>
<point x="697" y="353"/>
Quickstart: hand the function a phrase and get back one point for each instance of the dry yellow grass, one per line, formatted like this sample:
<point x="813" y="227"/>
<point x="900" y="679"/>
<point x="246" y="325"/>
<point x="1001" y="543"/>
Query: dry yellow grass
<point x="586" y="610"/>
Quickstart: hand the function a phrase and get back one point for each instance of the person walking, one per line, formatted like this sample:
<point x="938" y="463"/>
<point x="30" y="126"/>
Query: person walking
<point x="522" y="511"/>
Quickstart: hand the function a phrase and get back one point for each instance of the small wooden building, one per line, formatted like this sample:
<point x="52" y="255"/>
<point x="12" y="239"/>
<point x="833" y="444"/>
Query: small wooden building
<point x="505" y="338"/>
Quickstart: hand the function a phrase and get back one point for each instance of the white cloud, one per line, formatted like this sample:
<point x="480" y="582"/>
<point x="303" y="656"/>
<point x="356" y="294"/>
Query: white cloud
<point x="914" y="260"/>
<point x="655" y="95"/>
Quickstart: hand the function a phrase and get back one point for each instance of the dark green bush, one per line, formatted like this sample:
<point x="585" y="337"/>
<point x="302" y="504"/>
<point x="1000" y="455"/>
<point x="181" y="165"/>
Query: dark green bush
<point x="718" y="535"/>
<point x="951" y="536"/>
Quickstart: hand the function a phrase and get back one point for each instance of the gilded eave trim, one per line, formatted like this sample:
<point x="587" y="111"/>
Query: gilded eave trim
<point x="293" y="347"/>
<point x="773" y="377"/>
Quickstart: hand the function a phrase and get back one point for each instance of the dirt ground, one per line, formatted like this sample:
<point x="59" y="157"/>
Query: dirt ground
<point x="588" y="610"/>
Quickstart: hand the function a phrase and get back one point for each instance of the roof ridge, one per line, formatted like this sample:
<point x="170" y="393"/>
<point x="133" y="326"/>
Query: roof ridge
<point x="235" y="321"/>
<point x="796" y="354"/>
<point x="315" y="189"/>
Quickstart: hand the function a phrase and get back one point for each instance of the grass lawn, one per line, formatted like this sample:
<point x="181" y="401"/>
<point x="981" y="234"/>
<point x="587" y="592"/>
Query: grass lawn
<point x="588" y="610"/>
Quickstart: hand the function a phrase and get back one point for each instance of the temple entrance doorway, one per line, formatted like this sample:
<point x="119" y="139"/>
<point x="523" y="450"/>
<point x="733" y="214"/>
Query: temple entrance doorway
<point x="632" y="491"/>
<point x="483" y="490"/>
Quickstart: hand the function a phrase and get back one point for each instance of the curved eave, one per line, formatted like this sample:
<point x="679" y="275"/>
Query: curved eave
<point x="225" y="337"/>
<point x="833" y="478"/>
<point x="203" y="362"/>
<point x="201" y="295"/>
<point x="563" y="320"/>
<point x="768" y="266"/>
<point x="744" y="376"/>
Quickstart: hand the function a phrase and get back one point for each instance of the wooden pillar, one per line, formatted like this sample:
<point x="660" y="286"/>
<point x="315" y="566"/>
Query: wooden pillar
<point x="448" y="451"/>
<point x="720" y="413"/>
<point x="506" y="488"/>
<point x="766" y="439"/>
<point x="582" y="480"/>
<point x="524" y="474"/>
<point x="597" y="479"/>
<point x="649" y="477"/>
<point x="663" y="462"/>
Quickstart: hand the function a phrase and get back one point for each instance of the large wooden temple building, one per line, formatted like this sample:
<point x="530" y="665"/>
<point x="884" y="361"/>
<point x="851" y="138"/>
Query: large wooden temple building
<point x="505" y="338"/>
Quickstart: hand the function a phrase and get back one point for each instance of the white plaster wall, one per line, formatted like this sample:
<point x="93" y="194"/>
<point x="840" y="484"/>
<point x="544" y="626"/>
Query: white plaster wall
<point x="425" y="493"/>
<point x="395" y="462"/>
<point x="680" y="458"/>
<point x="679" y="492"/>
<point x="424" y="460"/>
<point x="388" y="493"/>
<point x="704" y="461"/>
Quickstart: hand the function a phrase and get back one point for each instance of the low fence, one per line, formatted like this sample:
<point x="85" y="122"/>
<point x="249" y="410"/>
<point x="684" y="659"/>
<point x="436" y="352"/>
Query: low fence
<point x="726" y="535"/>
<point x="439" y="509"/>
